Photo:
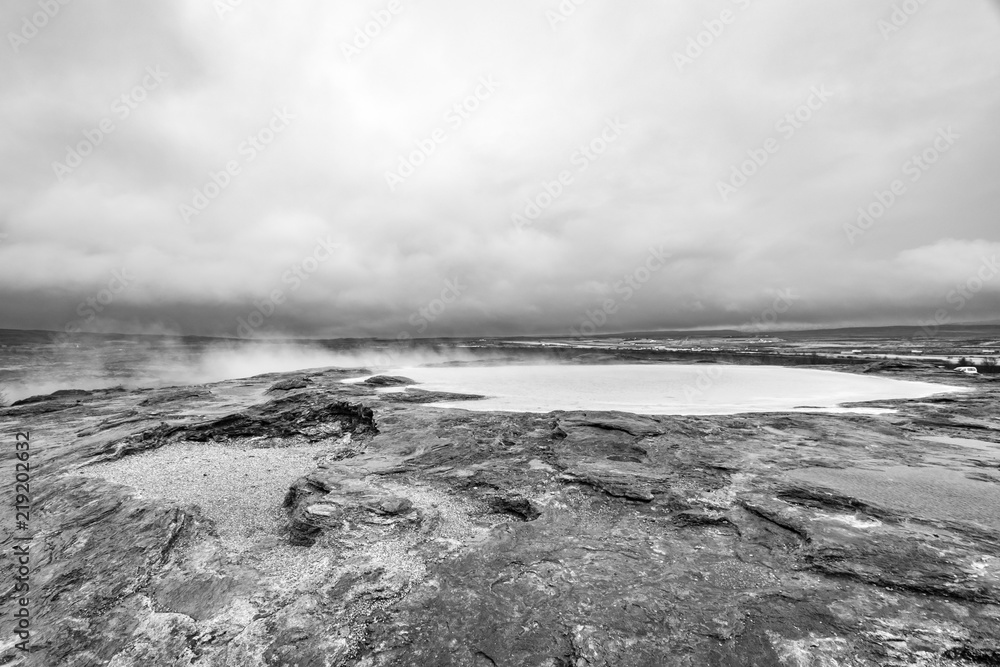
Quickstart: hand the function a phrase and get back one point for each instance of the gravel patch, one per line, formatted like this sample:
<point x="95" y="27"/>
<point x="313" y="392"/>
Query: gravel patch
<point x="239" y="486"/>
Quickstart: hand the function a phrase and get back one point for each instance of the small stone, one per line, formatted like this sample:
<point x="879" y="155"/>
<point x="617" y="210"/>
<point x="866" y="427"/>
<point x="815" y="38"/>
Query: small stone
<point x="323" y="510"/>
<point x="393" y="505"/>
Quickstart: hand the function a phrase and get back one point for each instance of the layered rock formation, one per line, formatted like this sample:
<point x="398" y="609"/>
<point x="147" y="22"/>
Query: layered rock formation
<point x="298" y="520"/>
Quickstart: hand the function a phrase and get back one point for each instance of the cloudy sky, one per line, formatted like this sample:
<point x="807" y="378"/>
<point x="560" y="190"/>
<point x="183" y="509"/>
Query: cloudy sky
<point x="440" y="167"/>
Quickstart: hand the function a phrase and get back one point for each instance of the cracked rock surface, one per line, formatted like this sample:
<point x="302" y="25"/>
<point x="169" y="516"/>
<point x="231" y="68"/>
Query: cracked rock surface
<point x="299" y="520"/>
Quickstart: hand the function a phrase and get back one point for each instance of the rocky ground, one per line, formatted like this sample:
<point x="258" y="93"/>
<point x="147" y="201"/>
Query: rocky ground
<point x="295" y="520"/>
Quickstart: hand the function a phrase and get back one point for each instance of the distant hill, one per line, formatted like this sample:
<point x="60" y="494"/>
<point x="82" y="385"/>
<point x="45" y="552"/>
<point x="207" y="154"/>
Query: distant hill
<point x="984" y="331"/>
<point x="963" y="331"/>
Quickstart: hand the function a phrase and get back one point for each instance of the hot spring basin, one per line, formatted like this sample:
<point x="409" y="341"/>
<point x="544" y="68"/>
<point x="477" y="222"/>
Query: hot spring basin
<point x="662" y="389"/>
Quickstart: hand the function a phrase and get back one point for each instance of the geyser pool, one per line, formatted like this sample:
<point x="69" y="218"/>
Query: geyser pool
<point x="662" y="389"/>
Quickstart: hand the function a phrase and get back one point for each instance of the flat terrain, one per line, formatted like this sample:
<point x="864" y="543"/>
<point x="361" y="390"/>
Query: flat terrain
<point x="293" y="519"/>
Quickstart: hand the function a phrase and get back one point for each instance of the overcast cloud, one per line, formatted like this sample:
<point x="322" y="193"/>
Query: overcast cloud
<point x="303" y="124"/>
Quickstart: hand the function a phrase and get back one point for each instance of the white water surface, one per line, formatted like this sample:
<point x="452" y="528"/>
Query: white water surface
<point x="663" y="389"/>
